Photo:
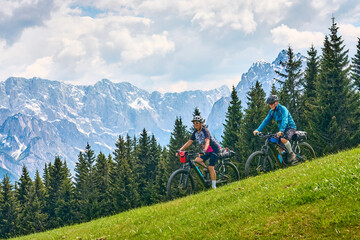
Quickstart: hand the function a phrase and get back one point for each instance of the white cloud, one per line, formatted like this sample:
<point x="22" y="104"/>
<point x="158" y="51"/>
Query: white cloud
<point x="41" y="67"/>
<point x="210" y="14"/>
<point x="283" y="35"/>
<point x="178" y="87"/>
<point x="349" y="32"/>
<point x="160" y="44"/>
<point x="82" y="47"/>
<point x="9" y="6"/>
<point x="219" y="14"/>
<point x="326" y="7"/>
<point x="134" y="48"/>
<point x="271" y="12"/>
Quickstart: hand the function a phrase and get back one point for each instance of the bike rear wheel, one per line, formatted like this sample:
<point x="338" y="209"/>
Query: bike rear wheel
<point x="180" y="184"/>
<point x="254" y="164"/>
<point x="304" y="152"/>
<point x="227" y="173"/>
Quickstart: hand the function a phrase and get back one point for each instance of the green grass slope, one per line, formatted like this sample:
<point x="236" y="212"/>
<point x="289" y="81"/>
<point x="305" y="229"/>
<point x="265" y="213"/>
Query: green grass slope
<point x="315" y="200"/>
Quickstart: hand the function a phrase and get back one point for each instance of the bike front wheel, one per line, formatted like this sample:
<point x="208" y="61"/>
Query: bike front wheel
<point x="255" y="164"/>
<point x="180" y="184"/>
<point x="227" y="173"/>
<point x="304" y="152"/>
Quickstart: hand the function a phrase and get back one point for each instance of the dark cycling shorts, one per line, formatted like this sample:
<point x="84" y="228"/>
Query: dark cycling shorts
<point x="213" y="158"/>
<point x="289" y="133"/>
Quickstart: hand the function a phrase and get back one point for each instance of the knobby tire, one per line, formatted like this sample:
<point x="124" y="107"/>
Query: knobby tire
<point x="305" y="151"/>
<point x="254" y="164"/>
<point x="227" y="173"/>
<point x="180" y="184"/>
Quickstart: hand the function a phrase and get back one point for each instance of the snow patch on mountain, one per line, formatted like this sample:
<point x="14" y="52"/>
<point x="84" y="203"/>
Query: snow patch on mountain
<point x="140" y="104"/>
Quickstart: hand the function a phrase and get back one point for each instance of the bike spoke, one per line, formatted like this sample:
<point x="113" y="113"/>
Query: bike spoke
<point x="180" y="184"/>
<point x="257" y="164"/>
<point x="227" y="173"/>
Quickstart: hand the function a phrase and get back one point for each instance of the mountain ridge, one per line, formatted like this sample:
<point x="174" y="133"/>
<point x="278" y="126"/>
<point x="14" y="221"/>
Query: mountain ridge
<point x="62" y="118"/>
<point x="55" y="118"/>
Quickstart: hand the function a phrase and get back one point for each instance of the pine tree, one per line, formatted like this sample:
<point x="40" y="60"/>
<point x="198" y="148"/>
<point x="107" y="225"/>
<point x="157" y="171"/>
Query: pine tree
<point x="23" y="196"/>
<point x="103" y="182"/>
<point x="355" y="76"/>
<point x="232" y="127"/>
<point x="81" y="188"/>
<point x="24" y="187"/>
<point x="131" y="155"/>
<point x="162" y="177"/>
<point x="36" y="215"/>
<point x="124" y="185"/>
<point x="55" y="181"/>
<point x="8" y="210"/>
<point x="233" y="120"/>
<point x="89" y="158"/>
<point x="155" y="151"/>
<point x="65" y="209"/>
<point x="334" y="122"/>
<point x="130" y="151"/>
<point x="151" y="170"/>
<point x="144" y="160"/>
<point x="47" y="200"/>
<point x="291" y="85"/>
<point x="255" y="112"/>
<point x="178" y="138"/>
<point x="196" y="112"/>
<point x="46" y="177"/>
<point x="273" y="90"/>
<point x="355" y="68"/>
<point x="309" y="96"/>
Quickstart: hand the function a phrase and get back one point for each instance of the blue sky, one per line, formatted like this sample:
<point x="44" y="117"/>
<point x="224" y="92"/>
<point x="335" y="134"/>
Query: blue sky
<point x="162" y="45"/>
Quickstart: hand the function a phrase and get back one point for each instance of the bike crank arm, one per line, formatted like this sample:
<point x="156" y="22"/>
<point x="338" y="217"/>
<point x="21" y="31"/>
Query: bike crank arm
<point x="258" y="169"/>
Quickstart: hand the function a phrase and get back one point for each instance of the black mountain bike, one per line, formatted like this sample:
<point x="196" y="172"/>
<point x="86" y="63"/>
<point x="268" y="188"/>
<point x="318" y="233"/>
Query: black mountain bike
<point x="274" y="154"/>
<point x="181" y="181"/>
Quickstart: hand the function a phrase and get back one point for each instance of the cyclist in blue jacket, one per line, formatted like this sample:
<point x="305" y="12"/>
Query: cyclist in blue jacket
<point x="285" y="122"/>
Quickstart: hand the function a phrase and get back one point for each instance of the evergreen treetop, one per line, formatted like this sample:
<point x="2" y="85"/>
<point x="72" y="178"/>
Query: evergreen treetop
<point x="355" y="68"/>
<point x="232" y="126"/>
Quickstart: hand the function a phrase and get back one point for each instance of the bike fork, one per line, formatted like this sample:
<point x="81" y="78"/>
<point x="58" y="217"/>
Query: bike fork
<point x="263" y="166"/>
<point x="184" y="180"/>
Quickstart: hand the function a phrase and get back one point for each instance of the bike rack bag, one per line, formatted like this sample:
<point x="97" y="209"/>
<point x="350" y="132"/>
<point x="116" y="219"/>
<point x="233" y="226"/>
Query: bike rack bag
<point x="226" y="153"/>
<point x="184" y="157"/>
<point x="299" y="135"/>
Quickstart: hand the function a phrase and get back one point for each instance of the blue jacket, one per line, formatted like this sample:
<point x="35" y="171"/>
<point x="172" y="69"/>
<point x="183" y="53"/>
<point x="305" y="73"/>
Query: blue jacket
<point x="282" y="116"/>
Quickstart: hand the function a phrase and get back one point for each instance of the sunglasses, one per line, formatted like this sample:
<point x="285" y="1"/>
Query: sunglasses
<point x="196" y="122"/>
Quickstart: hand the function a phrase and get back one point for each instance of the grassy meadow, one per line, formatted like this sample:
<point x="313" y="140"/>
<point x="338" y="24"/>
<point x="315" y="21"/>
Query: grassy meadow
<point x="316" y="200"/>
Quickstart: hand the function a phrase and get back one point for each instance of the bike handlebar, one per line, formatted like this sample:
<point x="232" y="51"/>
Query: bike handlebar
<point x="191" y="153"/>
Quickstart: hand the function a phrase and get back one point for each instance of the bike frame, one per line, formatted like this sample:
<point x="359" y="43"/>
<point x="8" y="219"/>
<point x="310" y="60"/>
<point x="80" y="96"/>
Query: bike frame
<point x="271" y="143"/>
<point x="188" y="166"/>
<point x="192" y="164"/>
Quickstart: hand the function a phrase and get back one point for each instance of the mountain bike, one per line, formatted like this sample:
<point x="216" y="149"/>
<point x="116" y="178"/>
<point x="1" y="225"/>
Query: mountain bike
<point x="181" y="181"/>
<point x="274" y="154"/>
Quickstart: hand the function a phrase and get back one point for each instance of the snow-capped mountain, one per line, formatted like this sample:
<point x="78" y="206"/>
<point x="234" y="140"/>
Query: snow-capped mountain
<point x="260" y="71"/>
<point x="40" y="119"/>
